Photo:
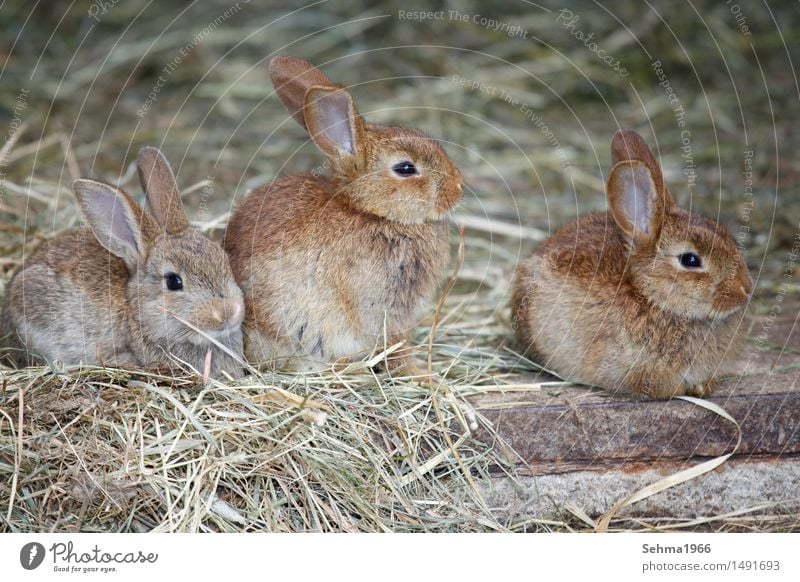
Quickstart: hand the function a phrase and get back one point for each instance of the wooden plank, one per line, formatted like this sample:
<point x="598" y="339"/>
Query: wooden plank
<point x="557" y="433"/>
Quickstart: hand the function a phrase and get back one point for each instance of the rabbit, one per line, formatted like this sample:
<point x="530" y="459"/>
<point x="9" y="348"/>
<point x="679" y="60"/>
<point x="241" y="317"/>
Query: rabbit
<point x="115" y="293"/>
<point x="331" y="265"/>
<point x="645" y="298"/>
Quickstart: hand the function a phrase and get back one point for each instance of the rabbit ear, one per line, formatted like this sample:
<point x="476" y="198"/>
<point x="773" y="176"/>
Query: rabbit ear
<point x="115" y="219"/>
<point x="635" y="202"/>
<point x="629" y="145"/>
<point x="161" y="191"/>
<point x="292" y="78"/>
<point x="333" y="122"/>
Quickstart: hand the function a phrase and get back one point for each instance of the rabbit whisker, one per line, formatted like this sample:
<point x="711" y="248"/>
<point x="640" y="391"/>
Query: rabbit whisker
<point x="200" y="332"/>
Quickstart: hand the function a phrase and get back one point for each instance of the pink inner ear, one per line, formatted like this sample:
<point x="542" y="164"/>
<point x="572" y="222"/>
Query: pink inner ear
<point x="637" y="188"/>
<point x="334" y="118"/>
<point x="119" y="225"/>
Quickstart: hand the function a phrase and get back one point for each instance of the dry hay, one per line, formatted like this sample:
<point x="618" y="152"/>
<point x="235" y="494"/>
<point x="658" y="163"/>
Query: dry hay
<point x="106" y="450"/>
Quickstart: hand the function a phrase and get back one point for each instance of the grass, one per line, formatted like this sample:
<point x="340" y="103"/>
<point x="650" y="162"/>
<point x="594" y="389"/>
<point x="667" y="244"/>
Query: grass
<point x="352" y="450"/>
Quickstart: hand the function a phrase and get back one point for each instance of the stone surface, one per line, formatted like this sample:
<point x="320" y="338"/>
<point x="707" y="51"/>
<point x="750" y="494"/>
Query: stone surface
<point x="736" y="486"/>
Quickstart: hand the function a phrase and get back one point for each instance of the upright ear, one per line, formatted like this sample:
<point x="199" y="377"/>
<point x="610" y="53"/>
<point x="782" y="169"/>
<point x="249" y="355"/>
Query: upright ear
<point x="292" y="78"/>
<point x="333" y="122"/>
<point x="161" y="191"/>
<point x="636" y="204"/>
<point x="629" y="145"/>
<point x="115" y="219"/>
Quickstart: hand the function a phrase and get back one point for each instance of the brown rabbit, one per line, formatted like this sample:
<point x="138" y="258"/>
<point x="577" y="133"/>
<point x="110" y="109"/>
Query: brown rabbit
<point x="115" y="294"/>
<point x="328" y="265"/>
<point x="645" y="298"/>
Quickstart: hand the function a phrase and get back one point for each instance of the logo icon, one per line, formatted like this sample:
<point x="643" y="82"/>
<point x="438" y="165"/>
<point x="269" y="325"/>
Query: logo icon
<point x="31" y="555"/>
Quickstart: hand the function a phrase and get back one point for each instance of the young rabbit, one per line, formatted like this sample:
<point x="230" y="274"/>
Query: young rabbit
<point x="338" y="264"/>
<point x="645" y="298"/>
<point x="115" y="294"/>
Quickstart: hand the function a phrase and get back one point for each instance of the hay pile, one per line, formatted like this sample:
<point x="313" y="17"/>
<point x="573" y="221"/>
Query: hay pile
<point x="138" y="452"/>
<point x="352" y="450"/>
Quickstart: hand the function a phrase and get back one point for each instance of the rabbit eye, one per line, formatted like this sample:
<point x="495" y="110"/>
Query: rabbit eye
<point x="690" y="261"/>
<point x="174" y="281"/>
<point x="405" y="169"/>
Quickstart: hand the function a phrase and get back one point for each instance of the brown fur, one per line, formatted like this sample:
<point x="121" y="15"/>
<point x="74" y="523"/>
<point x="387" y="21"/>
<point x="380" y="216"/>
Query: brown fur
<point x="606" y="303"/>
<point x="86" y="297"/>
<point x="292" y="78"/>
<point x="330" y="264"/>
